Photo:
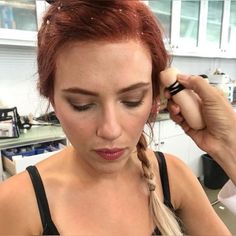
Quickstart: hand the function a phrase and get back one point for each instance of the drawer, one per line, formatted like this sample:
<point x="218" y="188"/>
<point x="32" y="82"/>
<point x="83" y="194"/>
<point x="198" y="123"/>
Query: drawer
<point x="169" y="128"/>
<point x="19" y="163"/>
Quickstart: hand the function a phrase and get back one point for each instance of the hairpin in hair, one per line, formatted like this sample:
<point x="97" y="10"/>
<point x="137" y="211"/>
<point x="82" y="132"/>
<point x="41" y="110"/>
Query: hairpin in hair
<point x="50" y="1"/>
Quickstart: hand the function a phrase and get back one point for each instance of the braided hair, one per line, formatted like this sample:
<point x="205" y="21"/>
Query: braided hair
<point x="162" y="216"/>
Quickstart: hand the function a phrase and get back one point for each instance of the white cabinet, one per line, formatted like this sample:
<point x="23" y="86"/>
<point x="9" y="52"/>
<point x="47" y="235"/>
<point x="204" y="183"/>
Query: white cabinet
<point x="194" y="158"/>
<point x="19" y="21"/>
<point x="176" y="145"/>
<point x="162" y="10"/>
<point x="230" y="27"/>
<point x="204" y="28"/>
<point x="170" y="138"/>
<point x="173" y="140"/>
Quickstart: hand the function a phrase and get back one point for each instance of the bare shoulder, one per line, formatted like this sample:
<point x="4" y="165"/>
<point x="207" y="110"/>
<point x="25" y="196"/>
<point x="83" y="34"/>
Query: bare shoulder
<point x="181" y="179"/>
<point x="16" y="201"/>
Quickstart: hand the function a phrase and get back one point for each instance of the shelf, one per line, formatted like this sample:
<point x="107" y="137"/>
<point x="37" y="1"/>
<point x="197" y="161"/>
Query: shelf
<point x="18" y="37"/>
<point x="34" y="135"/>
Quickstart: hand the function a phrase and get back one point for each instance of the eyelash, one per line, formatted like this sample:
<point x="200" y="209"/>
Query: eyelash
<point x="133" y="104"/>
<point x="129" y="104"/>
<point x="81" y="108"/>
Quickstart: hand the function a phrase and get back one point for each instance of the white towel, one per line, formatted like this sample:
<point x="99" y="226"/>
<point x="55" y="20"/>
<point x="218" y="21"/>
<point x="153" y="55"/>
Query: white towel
<point x="227" y="196"/>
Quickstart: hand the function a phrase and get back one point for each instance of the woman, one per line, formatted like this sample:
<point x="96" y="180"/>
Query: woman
<point x="99" y="65"/>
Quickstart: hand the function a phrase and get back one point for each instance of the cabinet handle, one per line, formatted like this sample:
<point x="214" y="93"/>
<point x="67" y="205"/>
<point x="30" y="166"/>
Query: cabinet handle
<point x="155" y="144"/>
<point x="162" y="143"/>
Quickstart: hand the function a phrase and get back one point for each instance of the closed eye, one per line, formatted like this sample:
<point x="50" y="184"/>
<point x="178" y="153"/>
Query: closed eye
<point x="132" y="104"/>
<point x="81" y="108"/>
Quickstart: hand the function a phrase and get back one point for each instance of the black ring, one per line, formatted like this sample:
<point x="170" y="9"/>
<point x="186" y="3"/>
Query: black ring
<point x="50" y="1"/>
<point x="175" y="88"/>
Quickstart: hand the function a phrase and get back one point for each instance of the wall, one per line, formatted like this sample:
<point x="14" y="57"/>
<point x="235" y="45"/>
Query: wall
<point x="18" y="80"/>
<point x="18" y="76"/>
<point x="198" y="65"/>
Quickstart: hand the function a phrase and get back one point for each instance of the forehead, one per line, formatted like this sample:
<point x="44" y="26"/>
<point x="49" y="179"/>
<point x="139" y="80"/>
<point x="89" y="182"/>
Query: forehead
<point x="97" y="63"/>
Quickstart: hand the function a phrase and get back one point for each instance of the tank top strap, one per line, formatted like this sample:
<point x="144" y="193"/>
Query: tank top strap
<point x="49" y="227"/>
<point x="164" y="179"/>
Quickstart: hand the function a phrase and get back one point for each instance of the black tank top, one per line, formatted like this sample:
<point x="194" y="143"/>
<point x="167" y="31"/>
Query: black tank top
<point x="48" y="225"/>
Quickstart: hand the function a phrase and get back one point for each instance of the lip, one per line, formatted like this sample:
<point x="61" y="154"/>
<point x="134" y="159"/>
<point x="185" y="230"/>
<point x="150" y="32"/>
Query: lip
<point x="110" y="154"/>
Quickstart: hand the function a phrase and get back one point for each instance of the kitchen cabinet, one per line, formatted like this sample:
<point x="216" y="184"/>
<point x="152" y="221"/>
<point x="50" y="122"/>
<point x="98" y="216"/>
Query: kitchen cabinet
<point x="168" y="137"/>
<point x="204" y="28"/>
<point x="36" y="137"/>
<point x="19" y="21"/>
<point x="162" y="10"/>
<point x="189" y="24"/>
<point x="230" y="28"/>
<point x="214" y="24"/>
<point x="175" y="145"/>
<point x="172" y="139"/>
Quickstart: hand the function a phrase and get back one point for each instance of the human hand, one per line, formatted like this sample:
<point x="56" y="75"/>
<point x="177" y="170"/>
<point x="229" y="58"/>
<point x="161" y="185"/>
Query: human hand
<point x="218" y="138"/>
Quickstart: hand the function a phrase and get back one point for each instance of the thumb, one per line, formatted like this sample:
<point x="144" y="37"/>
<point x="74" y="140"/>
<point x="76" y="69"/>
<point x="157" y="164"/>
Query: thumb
<point x="199" y="85"/>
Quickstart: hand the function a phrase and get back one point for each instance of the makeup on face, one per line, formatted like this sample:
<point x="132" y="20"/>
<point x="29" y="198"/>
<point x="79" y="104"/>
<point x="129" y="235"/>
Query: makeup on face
<point x="82" y="99"/>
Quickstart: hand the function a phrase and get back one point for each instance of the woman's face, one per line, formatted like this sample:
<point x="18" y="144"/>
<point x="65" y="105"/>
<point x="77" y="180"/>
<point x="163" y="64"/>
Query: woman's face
<point x="103" y="97"/>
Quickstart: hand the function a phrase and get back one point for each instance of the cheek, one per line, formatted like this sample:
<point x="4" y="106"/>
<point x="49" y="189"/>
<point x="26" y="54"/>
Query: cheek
<point x="137" y="122"/>
<point x="76" y="129"/>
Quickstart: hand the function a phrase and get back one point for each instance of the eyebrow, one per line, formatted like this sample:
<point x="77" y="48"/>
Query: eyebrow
<point x="90" y="93"/>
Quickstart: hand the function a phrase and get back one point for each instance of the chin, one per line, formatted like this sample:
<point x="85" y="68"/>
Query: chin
<point x="112" y="167"/>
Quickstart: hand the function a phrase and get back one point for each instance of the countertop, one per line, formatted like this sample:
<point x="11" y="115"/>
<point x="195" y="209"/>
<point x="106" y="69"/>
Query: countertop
<point x="163" y="116"/>
<point x="35" y="134"/>
<point x="166" y="116"/>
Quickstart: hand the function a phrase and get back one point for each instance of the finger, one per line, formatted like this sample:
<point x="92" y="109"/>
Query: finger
<point x="173" y="108"/>
<point x="185" y="126"/>
<point x="178" y="119"/>
<point x="198" y="85"/>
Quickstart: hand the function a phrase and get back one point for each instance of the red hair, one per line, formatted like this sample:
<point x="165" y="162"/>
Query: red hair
<point x="92" y="20"/>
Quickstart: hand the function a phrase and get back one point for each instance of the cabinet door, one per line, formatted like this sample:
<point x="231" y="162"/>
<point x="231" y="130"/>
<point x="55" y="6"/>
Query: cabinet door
<point x="162" y="9"/>
<point x="177" y="145"/>
<point x="19" y="15"/>
<point x="214" y="23"/>
<point x="194" y="158"/>
<point x="189" y="24"/>
<point x="19" y="22"/>
<point x="198" y="27"/>
<point x="169" y="128"/>
<point x="232" y="27"/>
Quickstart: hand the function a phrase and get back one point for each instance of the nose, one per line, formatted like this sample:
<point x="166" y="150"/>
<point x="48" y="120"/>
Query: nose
<point x="109" y="126"/>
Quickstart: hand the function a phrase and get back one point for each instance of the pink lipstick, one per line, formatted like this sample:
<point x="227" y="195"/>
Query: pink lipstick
<point x="110" y="154"/>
